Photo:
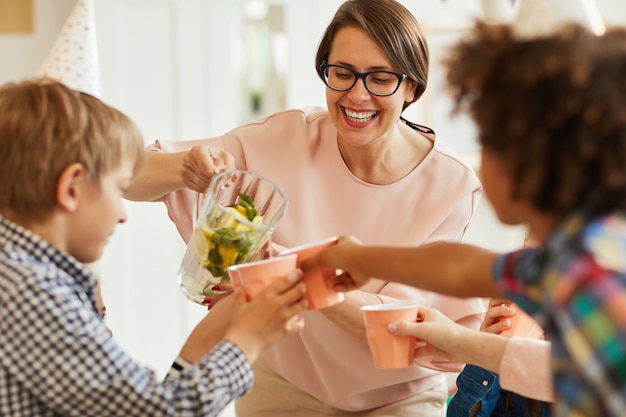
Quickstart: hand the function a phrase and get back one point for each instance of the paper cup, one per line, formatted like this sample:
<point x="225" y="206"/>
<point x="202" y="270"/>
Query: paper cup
<point x="389" y="351"/>
<point x="254" y="277"/>
<point x="319" y="291"/>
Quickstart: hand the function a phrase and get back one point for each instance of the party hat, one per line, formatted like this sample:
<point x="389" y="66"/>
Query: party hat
<point x="73" y="59"/>
<point x="536" y="18"/>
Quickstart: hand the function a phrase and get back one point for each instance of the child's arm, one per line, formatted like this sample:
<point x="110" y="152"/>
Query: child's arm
<point x="523" y="364"/>
<point x="447" y="268"/>
<point x="272" y="314"/>
<point x="252" y="326"/>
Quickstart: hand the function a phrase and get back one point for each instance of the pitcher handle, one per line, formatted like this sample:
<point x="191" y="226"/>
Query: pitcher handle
<point x="196" y="208"/>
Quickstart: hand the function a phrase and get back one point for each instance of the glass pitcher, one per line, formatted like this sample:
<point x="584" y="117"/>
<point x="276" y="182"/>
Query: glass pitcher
<point x="236" y="218"/>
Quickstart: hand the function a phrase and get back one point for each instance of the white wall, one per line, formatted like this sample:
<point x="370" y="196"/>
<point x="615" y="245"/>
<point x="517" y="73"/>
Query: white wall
<point x="167" y="64"/>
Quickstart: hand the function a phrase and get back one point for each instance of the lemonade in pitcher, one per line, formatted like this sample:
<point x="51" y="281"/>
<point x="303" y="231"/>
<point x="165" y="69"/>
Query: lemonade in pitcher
<point x="238" y="216"/>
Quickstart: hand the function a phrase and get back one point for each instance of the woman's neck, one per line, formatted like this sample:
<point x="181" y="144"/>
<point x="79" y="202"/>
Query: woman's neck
<point x="387" y="159"/>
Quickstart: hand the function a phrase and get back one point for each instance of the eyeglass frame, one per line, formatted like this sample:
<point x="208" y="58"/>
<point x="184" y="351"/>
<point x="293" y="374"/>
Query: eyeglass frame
<point x="360" y="76"/>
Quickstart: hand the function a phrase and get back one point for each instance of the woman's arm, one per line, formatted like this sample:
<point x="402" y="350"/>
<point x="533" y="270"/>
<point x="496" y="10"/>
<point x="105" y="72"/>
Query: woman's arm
<point x="347" y="314"/>
<point x="159" y="176"/>
<point x="165" y="172"/>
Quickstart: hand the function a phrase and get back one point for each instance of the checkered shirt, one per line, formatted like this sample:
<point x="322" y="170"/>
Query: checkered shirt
<point x="56" y="358"/>
<point x="576" y="289"/>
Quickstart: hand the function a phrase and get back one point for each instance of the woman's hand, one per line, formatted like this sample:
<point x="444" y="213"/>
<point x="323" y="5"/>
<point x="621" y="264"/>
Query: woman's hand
<point x="201" y="163"/>
<point x="497" y="316"/>
<point x="220" y="291"/>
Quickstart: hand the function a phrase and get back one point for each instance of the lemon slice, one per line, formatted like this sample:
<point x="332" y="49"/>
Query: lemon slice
<point x="199" y="240"/>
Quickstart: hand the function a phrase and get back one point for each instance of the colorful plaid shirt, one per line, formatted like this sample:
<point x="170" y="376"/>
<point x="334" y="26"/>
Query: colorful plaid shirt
<point x="575" y="287"/>
<point x="57" y="359"/>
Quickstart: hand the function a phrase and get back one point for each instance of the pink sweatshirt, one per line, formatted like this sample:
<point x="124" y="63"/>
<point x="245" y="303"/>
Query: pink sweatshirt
<point x="298" y="150"/>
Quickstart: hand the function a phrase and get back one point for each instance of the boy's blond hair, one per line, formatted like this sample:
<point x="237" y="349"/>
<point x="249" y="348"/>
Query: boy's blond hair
<point x="46" y="126"/>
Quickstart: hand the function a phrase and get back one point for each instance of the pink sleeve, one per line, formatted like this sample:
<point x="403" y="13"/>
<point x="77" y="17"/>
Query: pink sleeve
<point x="530" y="381"/>
<point x="180" y="203"/>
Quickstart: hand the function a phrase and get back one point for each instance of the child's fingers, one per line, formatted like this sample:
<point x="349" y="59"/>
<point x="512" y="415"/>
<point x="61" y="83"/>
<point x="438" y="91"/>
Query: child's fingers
<point x="496" y="314"/>
<point x="282" y="284"/>
<point x="405" y="328"/>
<point x="343" y="282"/>
<point x="498" y="302"/>
<point x="497" y="327"/>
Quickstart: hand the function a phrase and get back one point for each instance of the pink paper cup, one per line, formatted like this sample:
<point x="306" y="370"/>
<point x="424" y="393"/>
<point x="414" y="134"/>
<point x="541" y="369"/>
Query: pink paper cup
<point x="522" y="325"/>
<point x="254" y="277"/>
<point x="389" y="351"/>
<point x="319" y="290"/>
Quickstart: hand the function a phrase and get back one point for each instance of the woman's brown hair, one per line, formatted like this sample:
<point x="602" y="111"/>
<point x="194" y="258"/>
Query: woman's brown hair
<point x="393" y="27"/>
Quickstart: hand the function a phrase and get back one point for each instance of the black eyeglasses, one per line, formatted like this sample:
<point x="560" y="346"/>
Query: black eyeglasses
<point x="378" y="83"/>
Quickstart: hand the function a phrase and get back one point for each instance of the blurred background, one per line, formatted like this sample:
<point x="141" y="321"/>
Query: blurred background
<point x="187" y="69"/>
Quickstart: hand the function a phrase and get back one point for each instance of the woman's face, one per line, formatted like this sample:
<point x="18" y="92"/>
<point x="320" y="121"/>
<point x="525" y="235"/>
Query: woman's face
<point x="362" y="118"/>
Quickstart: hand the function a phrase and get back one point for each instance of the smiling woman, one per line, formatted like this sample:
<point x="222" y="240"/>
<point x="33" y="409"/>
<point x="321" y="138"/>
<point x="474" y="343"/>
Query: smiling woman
<point x="359" y="166"/>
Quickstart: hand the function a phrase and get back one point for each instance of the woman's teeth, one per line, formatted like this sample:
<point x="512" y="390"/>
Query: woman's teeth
<point x="359" y="117"/>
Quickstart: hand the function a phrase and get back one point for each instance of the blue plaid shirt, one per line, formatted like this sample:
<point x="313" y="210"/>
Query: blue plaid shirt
<point x="57" y="359"/>
<point x="575" y="287"/>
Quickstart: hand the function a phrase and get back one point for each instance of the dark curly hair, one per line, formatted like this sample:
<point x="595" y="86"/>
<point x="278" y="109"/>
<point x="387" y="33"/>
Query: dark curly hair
<point x="553" y="108"/>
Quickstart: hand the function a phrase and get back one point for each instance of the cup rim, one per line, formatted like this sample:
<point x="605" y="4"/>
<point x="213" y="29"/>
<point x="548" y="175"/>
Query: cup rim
<point x="261" y="261"/>
<point x="309" y="245"/>
<point x="388" y="307"/>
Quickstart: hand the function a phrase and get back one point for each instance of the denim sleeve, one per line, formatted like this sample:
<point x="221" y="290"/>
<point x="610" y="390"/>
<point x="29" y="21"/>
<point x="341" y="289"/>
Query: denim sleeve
<point x="474" y="385"/>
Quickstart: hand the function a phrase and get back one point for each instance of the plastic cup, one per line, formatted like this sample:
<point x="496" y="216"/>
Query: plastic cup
<point x="389" y="351"/>
<point x="223" y="236"/>
<point x="254" y="277"/>
<point x="319" y="291"/>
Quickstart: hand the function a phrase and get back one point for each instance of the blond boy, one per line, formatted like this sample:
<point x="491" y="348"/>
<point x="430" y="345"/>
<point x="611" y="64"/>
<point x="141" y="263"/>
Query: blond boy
<point x="66" y="159"/>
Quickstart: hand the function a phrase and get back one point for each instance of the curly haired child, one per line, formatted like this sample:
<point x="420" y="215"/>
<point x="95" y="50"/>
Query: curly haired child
<point x="551" y="115"/>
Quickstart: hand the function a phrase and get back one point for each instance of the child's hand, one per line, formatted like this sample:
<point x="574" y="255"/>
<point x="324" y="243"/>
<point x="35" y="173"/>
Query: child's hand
<point x="270" y="315"/>
<point x="435" y="333"/>
<point x="336" y="256"/>
<point x="210" y="330"/>
<point x="497" y="316"/>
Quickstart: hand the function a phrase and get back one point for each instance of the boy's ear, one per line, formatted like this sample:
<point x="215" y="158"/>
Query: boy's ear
<point x="69" y="186"/>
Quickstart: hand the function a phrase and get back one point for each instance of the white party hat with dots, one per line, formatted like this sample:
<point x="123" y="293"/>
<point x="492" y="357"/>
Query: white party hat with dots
<point x="536" y="18"/>
<point x="73" y="58"/>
